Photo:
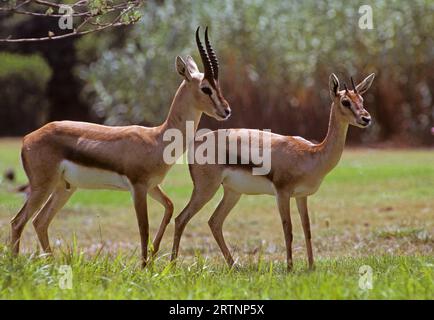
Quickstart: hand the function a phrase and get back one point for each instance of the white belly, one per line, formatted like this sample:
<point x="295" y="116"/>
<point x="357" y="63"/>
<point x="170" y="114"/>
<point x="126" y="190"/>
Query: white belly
<point x="91" y="178"/>
<point x="306" y="189"/>
<point x="244" y="182"/>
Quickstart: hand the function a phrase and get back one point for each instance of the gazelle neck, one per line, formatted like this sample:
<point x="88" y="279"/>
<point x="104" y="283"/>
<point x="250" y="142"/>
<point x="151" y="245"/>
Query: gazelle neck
<point x="183" y="109"/>
<point x="331" y="148"/>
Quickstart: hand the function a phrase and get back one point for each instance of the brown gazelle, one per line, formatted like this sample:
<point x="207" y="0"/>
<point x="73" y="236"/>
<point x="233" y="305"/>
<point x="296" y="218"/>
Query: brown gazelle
<point x="297" y="169"/>
<point x="63" y="156"/>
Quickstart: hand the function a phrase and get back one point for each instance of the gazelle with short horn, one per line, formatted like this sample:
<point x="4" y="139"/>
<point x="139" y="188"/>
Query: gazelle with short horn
<point x="297" y="169"/>
<point x="63" y="156"/>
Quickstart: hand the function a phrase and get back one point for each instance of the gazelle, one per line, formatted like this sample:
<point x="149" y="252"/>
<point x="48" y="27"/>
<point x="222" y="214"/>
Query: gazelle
<point x="63" y="156"/>
<point x="297" y="170"/>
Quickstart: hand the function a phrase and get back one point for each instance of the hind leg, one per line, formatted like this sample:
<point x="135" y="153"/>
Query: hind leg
<point x="36" y="199"/>
<point x="42" y="220"/>
<point x="201" y="195"/>
<point x="284" y="210"/>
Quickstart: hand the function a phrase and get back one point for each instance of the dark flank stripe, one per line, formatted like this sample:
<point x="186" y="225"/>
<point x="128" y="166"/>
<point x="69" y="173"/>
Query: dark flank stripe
<point x="247" y="167"/>
<point x="87" y="160"/>
<point x="238" y="165"/>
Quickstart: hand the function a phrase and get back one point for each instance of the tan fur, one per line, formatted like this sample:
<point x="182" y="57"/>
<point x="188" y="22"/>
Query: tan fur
<point x="128" y="158"/>
<point x="297" y="170"/>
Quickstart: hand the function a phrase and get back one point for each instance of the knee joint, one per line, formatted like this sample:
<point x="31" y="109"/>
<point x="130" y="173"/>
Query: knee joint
<point x="15" y="225"/>
<point x="213" y="223"/>
<point x="169" y="207"/>
<point x="37" y="224"/>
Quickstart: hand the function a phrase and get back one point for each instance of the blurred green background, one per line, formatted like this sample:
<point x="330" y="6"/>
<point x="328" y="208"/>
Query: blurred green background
<point x="275" y="59"/>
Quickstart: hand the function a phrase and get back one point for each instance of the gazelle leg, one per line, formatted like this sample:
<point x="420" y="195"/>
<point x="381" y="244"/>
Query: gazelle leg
<point x="198" y="199"/>
<point x="36" y="199"/>
<point x="230" y="199"/>
<point x="284" y="210"/>
<point x="304" y="215"/>
<point x="43" y="219"/>
<point x="158" y="195"/>
<point x="141" y="207"/>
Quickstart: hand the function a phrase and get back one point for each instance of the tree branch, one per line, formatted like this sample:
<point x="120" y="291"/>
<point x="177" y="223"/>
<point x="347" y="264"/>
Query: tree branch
<point x="89" y="17"/>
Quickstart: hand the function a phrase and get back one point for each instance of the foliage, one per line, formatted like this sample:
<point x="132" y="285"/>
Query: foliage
<point x="30" y="67"/>
<point x="276" y="57"/>
<point x="23" y="80"/>
<point x="86" y="17"/>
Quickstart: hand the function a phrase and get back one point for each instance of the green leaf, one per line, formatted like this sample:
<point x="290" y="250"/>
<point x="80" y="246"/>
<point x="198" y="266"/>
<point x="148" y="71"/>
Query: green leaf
<point x="49" y="11"/>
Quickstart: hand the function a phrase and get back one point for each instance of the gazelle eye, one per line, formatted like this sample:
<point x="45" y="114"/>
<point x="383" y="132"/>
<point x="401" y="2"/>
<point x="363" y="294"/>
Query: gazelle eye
<point x="346" y="103"/>
<point x="206" y="90"/>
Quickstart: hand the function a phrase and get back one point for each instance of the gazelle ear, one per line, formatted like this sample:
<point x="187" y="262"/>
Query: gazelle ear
<point x="191" y="65"/>
<point x="182" y="69"/>
<point x="333" y="85"/>
<point x="363" y="86"/>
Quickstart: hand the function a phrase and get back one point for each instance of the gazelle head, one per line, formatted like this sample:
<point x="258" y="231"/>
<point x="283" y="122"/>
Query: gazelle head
<point x="205" y="86"/>
<point x="349" y="103"/>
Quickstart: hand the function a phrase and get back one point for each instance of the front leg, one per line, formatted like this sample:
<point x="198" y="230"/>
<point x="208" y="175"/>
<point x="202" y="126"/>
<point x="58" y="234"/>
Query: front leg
<point x="140" y="204"/>
<point x="284" y="210"/>
<point x="304" y="215"/>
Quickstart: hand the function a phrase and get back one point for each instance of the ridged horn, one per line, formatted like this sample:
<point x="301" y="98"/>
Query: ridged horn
<point x="205" y="59"/>
<point x="212" y="56"/>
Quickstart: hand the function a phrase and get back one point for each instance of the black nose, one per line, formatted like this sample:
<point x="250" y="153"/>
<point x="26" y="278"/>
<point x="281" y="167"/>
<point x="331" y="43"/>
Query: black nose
<point x="366" y="120"/>
<point x="227" y="112"/>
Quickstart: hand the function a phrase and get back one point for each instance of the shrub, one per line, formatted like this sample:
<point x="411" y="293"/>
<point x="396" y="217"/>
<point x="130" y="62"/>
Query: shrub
<point x="23" y="80"/>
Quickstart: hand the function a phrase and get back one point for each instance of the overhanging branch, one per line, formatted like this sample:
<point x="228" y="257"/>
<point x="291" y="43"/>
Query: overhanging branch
<point x="93" y="16"/>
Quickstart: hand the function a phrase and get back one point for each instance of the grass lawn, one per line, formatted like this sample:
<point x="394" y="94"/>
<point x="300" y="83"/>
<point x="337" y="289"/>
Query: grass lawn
<point x="375" y="209"/>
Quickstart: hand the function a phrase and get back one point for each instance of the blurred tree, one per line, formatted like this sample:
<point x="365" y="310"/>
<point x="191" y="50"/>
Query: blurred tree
<point x="276" y="57"/>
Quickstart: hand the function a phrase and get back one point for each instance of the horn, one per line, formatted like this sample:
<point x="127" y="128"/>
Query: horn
<point x="346" y="88"/>
<point x="204" y="56"/>
<point x="212" y="56"/>
<point x="354" y="87"/>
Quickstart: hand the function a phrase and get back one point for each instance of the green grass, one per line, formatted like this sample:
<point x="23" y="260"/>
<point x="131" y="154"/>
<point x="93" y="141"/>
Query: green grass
<point x="376" y="208"/>
<point x="415" y="233"/>
<point x="120" y="277"/>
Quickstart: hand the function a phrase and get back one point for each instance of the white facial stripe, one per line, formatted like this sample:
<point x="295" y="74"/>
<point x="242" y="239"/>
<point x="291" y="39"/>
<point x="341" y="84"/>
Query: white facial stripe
<point x="352" y="109"/>
<point x="213" y="100"/>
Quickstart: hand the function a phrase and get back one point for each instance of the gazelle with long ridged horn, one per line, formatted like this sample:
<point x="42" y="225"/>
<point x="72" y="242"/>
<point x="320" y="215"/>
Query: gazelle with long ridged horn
<point x="297" y="168"/>
<point x="63" y="156"/>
